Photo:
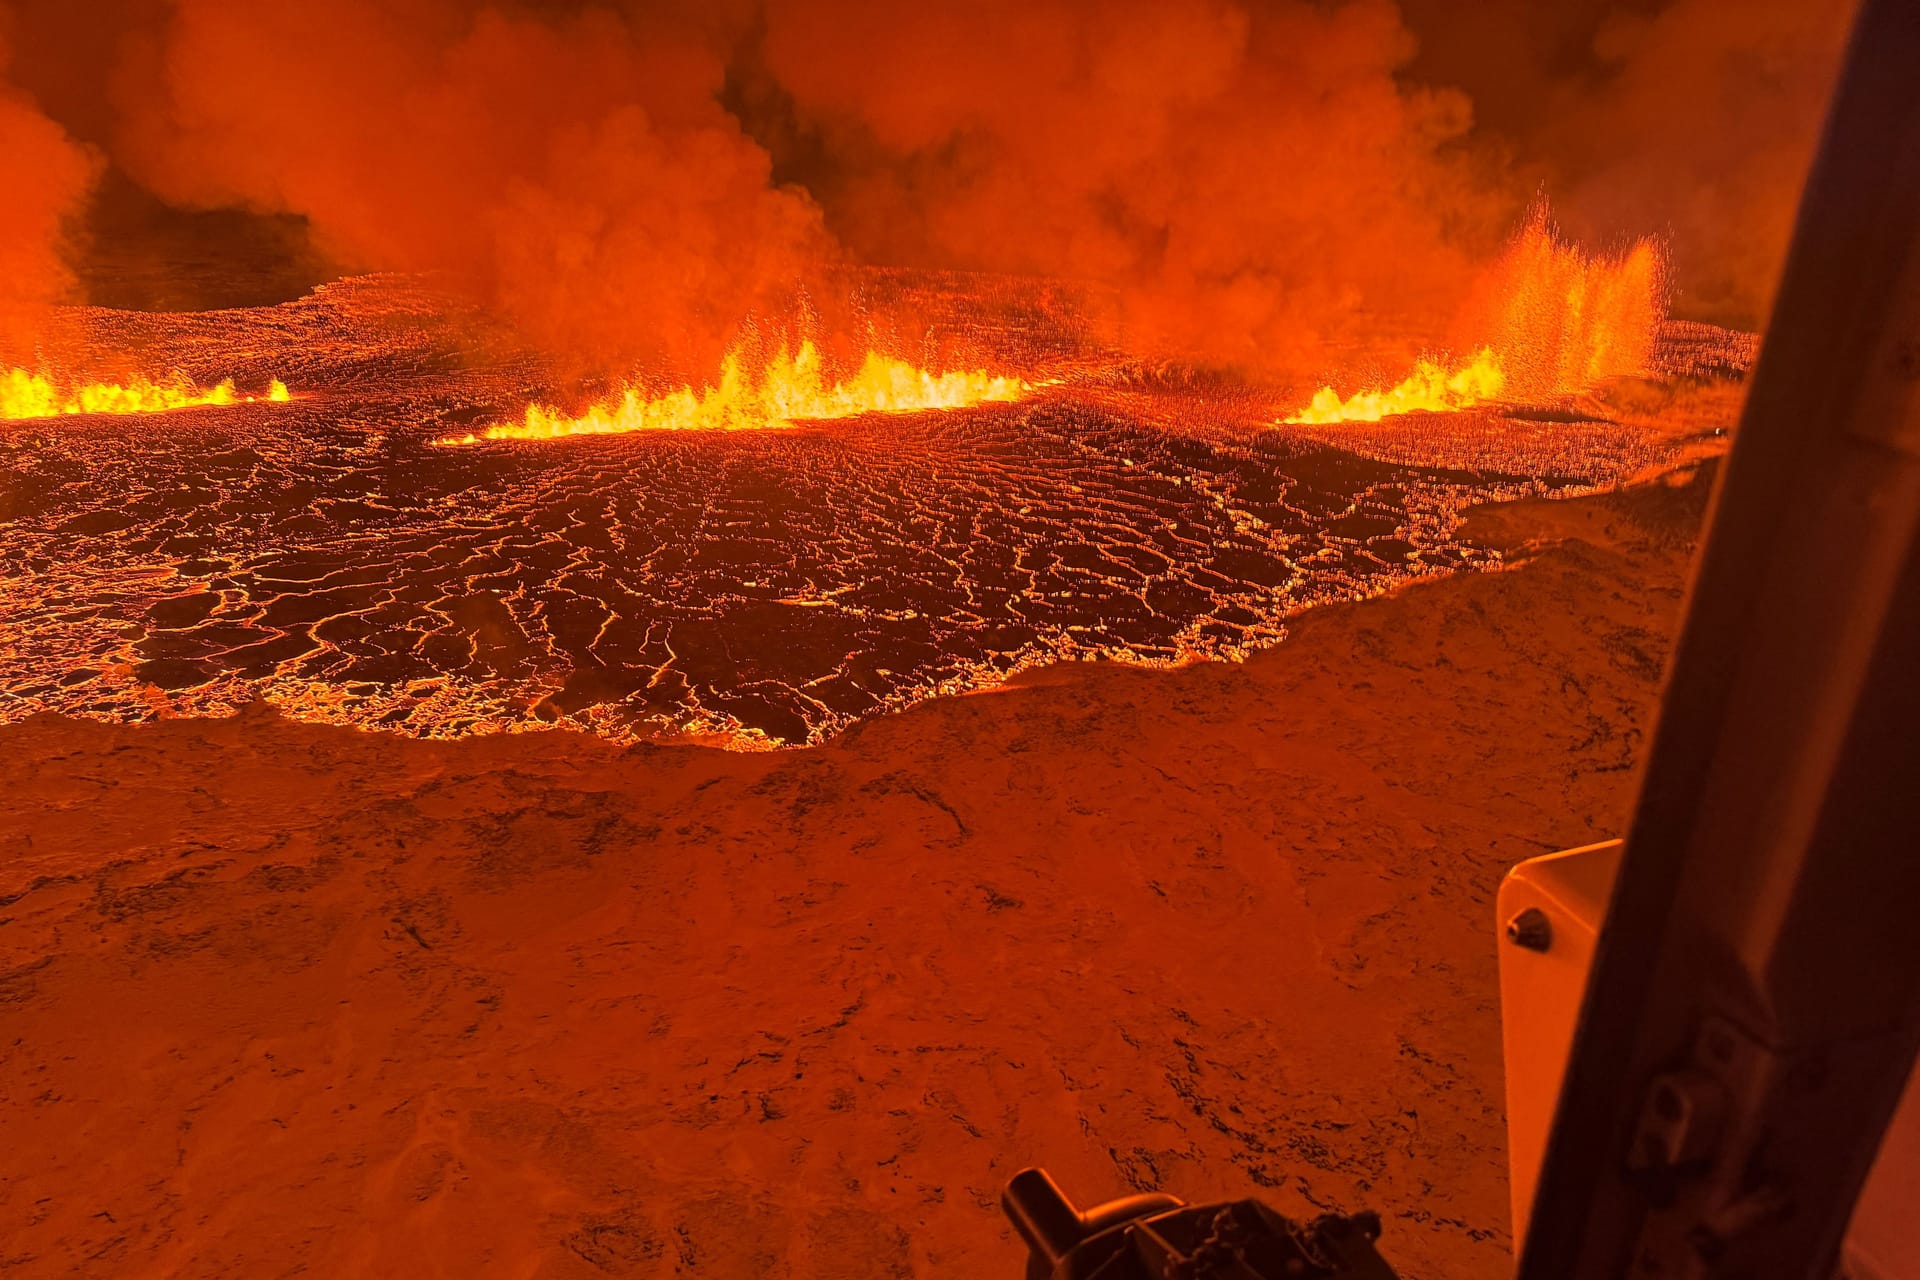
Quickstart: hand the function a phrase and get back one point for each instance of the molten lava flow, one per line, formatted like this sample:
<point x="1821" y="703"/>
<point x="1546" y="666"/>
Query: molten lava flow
<point x="28" y="395"/>
<point x="791" y="388"/>
<point x="1549" y="320"/>
<point x="1432" y="386"/>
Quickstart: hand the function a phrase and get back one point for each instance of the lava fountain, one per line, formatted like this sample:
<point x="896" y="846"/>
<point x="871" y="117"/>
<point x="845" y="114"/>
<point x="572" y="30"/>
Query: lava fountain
<point x="26" y="395"/>
<point x="1549" y="320"/>
<point x="790" y="388"/>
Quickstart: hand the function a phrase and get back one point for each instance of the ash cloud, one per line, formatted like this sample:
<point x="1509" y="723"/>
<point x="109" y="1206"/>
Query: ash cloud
<point x="576" y="166"/>
<point x="1694" y="120"/>
<point x="1270" y="184"/>
<point x="48" y="177"/>
<point x="1702" y="122"/>
<point x="1267" y="180"/>
<point x="1257" y="181"/>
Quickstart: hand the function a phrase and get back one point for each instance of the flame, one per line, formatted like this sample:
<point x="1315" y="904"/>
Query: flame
<point x="1433" y="386"/>
<point x="29" y="395"/>
<point x="791" y="388"/>
<point x="1551" y="320"/>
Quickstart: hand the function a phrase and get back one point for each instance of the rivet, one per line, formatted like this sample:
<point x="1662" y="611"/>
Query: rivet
<point x="1531" y="929"/>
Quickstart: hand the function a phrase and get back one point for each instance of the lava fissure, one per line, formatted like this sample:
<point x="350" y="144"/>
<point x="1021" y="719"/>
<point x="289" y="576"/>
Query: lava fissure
<point x="1549" y="321"/>
<point x="790" y="388"/>
<point x="25" y="396"/>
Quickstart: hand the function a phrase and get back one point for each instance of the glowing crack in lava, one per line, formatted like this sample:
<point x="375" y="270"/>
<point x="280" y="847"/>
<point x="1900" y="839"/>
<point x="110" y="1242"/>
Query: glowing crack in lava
<point x="1550" y="320"/>
<point x="743" y="588"/>
<point x="791" y="388"/>
<point x="26" y="395"/>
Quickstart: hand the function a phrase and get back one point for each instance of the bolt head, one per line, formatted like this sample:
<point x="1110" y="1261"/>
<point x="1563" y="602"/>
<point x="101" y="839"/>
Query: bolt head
<point x="1531" y="929"/>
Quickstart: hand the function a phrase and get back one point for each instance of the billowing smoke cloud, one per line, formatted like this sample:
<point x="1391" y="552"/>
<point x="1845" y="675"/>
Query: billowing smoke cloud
<point x="1701" y="121"/>
<point x="48" y="175"/>
<point x="578" y="167"/>
<point x="1255" y="179"/>
<point x="1692" y="119"/>
<point x="1261" y="183"/>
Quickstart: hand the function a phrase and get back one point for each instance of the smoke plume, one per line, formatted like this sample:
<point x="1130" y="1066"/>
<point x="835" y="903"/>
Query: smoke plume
<point x="1694" y="120"/>
<point x="1267" y="184"/>
<point x="577" y="167"/>
<point x="1256" y="180"/>
<point x="48" y="176"/>
<point x="1701" y="122"/>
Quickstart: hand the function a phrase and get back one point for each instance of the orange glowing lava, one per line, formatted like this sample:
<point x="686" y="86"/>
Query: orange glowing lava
<point x="1433" y="386"/>
<point x="28" y="395"/>
<point x="791" y="388"/>
<point x="1549" y="320"/>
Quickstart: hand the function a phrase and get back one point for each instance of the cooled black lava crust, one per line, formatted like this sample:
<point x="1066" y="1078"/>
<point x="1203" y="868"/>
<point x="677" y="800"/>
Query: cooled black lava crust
<point x="772" y="586"/>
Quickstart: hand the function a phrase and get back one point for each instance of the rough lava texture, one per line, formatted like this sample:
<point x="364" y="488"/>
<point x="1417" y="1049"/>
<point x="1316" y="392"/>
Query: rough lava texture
<point x="281" y="999"/>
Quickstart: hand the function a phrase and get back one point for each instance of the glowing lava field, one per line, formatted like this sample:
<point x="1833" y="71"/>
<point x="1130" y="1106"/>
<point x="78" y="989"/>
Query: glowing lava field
<point x="331" y="555"/>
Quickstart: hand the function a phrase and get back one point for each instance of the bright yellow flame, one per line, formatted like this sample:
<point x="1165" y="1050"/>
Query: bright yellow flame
<point x="792" y="388"/>
<point x="1549" y="320"/>
<point x="1433" y="387"/>
<point x="28" y="395"/>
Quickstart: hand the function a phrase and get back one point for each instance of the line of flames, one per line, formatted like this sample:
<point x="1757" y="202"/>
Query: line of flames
<point x="1434" y="386"/>
<point x="789" y="388"/>
<point x="25" y="395"/>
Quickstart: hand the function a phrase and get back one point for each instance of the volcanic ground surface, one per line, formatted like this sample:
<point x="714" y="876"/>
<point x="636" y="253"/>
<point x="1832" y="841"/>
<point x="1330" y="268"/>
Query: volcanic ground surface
<point x="288" y="999"/>
<point x="755" y="587"/>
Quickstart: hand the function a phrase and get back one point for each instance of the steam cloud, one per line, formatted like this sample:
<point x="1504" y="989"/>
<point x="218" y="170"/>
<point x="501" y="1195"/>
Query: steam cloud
<point x="1253" y="178"/>
<point x="1691" y="119"/>
<point x="1701" y="123"/>
<point x="578" y="166"/>
<point x="48" y="177"/>
<point x="1260" y="183"/>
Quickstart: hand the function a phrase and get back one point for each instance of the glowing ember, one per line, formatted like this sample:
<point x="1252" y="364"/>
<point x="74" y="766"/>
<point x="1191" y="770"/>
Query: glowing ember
<point x="28" y="395"/>
<point x="791" y="388"/>
<point x="1550" y="320"/>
